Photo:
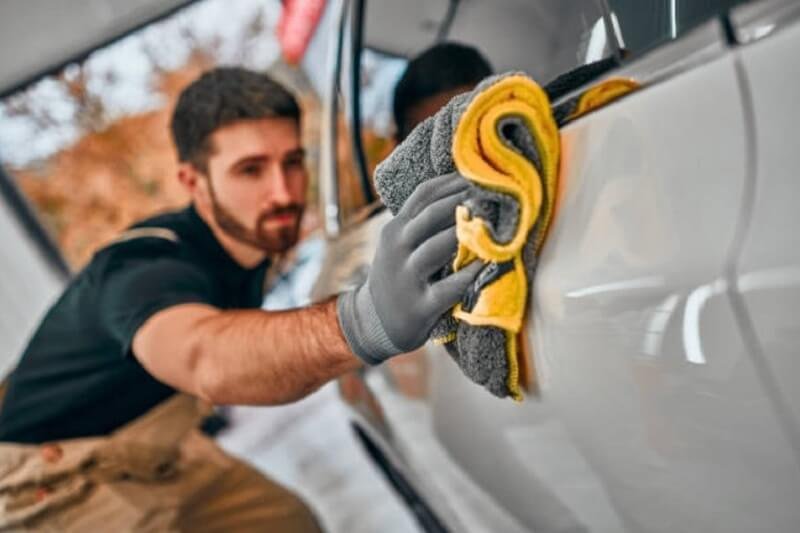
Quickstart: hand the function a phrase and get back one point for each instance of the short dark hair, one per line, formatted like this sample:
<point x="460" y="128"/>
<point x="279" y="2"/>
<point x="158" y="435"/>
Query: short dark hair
<point x="219" y="97"/>
<point x="440" y="68"/>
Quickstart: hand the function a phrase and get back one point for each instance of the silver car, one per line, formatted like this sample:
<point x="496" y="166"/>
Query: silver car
<point x="665" y="318"/>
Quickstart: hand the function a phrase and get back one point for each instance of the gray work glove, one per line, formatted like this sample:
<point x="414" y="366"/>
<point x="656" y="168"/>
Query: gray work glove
<point x="399" y="303"/>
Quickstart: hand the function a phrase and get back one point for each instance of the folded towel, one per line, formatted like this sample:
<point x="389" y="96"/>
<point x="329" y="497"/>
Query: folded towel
<point x="502" y="137"/>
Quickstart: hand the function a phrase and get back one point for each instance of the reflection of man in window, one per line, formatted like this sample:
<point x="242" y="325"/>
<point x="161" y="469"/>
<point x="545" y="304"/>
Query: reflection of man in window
<point x="432" y="79"/>
<point x="173" y="307"/>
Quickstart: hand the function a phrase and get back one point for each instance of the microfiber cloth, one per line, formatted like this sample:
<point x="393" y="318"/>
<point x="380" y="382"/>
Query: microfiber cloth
<point x="503" y="139"/>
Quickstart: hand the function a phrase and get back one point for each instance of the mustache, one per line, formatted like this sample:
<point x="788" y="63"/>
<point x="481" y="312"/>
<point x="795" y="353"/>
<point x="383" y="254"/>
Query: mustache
<point x="289" y="209"/>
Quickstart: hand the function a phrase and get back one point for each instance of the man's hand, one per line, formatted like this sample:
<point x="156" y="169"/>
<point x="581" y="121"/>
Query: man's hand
<point x="395" y="310"/>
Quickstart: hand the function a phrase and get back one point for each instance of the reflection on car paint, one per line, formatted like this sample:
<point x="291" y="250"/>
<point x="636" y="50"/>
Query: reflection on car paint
<point x="692" y="342"/>
<point x="657" y="325"/>
<point x="616" y="286"/>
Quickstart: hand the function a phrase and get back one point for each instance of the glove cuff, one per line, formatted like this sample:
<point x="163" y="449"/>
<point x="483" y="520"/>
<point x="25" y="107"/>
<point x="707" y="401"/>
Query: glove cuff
<point x="362" y="328"/>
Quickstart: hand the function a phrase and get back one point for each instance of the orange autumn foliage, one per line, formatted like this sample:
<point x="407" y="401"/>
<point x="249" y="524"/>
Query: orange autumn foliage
<point x="87" y="193"/>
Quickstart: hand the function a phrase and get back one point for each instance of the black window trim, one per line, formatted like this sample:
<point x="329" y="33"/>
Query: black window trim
<point x="32" y="226"/>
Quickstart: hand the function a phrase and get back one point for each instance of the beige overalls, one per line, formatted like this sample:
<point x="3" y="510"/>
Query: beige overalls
<point x="157" y="473"/>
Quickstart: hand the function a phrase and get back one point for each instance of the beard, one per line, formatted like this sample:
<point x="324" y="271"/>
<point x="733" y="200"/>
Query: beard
<point x="273" y="241"/>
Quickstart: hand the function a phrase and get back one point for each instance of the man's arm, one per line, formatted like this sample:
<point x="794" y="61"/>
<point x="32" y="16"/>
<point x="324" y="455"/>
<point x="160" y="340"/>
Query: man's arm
<point x="266" y="357"/>
<point x="244" y="356"/>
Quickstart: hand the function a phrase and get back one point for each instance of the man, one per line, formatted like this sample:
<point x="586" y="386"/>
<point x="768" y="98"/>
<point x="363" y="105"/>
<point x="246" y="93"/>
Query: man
<point x="172" y="307"/>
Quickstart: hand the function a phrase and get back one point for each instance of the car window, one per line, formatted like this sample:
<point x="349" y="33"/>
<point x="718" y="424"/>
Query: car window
<point x="645" y="24"/>
<point x="545" y="39"/>
<point x="379" y="73"/>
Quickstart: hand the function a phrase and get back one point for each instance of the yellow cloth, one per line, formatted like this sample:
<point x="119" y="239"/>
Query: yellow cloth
<point x="482" y="157"/>
<point x="602" y="94"/>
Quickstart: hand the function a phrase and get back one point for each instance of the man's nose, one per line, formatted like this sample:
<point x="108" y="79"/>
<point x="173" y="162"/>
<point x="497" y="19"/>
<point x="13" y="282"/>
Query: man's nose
<point x="279" y="190"/>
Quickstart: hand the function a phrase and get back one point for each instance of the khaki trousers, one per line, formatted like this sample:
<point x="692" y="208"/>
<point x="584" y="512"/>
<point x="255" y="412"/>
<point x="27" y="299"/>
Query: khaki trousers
<point x="158" y="473"/>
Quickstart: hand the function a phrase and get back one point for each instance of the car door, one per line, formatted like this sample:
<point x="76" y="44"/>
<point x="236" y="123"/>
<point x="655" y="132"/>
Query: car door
<point x="651" y="412"/>
<point x="637" y="326"/>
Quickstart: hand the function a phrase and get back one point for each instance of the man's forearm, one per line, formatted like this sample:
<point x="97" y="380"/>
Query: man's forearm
<point x="269" y="357"/>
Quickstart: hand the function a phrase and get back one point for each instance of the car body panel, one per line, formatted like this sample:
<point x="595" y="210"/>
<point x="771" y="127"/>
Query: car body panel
<point x="635" y="336"/>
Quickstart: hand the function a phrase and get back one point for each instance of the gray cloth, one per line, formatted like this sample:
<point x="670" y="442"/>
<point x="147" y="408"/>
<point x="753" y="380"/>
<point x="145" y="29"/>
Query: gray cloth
<point x="480" y="351"/>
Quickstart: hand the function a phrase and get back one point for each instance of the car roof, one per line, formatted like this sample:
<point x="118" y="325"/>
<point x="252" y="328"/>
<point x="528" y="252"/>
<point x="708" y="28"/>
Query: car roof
<point x="40" y="36"/>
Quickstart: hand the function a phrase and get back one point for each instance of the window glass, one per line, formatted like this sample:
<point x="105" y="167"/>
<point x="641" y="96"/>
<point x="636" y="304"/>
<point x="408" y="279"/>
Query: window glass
<point x="379" y="74"/>
<point x="644" y="24"/>
<point x="545" y="39"/>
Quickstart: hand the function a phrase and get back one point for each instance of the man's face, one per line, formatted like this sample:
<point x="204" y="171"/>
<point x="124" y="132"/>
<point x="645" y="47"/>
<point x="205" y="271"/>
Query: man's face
<point x="257" y="182"/>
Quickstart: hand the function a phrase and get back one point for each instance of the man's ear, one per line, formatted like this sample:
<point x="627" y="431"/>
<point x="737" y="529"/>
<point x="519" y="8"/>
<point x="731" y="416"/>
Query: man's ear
<point x="196" y="184"/>
<point x="189" y="177"/>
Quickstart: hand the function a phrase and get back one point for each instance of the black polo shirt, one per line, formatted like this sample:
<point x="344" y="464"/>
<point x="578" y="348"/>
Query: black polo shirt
<point x="77" y="377"/>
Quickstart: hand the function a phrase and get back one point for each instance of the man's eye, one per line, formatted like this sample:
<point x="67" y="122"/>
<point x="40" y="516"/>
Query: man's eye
<point x="295" y="163"/>
<point x="251" y="170"/>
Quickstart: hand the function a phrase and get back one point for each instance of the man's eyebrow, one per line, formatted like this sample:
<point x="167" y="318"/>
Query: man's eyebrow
<point x="297" y="152"/>
<point x="248" y="159"/>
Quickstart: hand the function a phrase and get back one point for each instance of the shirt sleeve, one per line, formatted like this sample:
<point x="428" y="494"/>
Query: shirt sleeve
<point x="136" y="289"/>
